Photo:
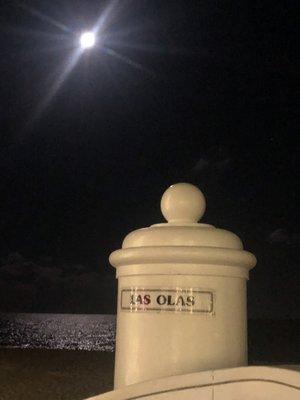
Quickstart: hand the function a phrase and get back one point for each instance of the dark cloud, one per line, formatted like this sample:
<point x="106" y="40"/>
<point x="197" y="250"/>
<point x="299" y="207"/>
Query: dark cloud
<point x="215" y="159"/>
<point x="282" y="236"/>
<point x="27" y="286"/>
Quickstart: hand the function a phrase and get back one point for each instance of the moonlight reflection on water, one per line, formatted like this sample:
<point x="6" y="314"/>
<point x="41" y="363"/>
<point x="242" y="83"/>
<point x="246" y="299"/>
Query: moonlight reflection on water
<point x="58" y="331"/>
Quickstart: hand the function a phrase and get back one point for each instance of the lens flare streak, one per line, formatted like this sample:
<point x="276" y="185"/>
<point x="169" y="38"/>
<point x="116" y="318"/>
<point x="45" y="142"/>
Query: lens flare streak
<point x="44" y="17"/>
<point x="58" y="82"/>
<point x="128" y="61"/>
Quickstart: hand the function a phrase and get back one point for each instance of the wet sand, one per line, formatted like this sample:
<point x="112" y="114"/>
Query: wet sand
<point x="27" y="374"/>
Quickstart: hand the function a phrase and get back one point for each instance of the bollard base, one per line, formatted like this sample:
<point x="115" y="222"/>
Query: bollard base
<point x="249" y="383"/>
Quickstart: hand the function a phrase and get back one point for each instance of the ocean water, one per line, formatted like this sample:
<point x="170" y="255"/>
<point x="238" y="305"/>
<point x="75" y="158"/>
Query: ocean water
<point x="273" y="341"/>
<point x="58" y="331"/>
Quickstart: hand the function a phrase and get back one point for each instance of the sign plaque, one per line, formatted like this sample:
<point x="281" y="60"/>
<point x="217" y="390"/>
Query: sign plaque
<point x="186" y="300"/>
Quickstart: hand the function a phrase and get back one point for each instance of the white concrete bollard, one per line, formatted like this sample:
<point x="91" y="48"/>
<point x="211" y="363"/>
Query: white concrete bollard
<point x="181" y="294"/>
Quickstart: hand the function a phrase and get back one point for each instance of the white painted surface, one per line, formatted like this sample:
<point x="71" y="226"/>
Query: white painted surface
<point x="247" y="383"/>
<point x="176" y="260"/>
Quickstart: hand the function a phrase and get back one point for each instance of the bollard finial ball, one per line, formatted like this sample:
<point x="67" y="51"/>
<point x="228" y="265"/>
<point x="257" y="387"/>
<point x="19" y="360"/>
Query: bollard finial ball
<point x="183" y="203"/>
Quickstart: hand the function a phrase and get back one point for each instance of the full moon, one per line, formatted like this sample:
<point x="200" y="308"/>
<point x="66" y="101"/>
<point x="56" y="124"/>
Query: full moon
<point x="87" y="40"/>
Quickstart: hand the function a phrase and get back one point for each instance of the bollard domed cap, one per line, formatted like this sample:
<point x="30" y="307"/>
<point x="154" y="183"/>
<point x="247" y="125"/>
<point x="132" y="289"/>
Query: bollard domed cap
<point x="182" y="239"/>
<point x="183" y="203"/>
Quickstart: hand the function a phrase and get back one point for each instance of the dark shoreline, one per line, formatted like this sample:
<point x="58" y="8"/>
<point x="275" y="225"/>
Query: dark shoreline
<point x="41" y="374"/>
<point x="35" y="374"/>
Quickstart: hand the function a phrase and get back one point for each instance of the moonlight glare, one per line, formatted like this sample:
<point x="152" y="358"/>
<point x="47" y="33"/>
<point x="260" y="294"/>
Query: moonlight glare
<point x="87" y="40"/>
<point x="84" y="41"/>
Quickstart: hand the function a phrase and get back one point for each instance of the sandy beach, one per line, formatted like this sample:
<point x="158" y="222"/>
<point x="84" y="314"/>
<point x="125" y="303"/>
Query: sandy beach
<point x="34" y="374"/>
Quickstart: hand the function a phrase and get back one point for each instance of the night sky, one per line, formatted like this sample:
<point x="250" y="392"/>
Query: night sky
<point x="195" y="91"/>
